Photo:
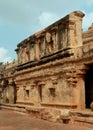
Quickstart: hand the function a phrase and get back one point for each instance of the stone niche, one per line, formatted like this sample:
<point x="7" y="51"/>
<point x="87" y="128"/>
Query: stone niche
<point x="56" y="92"/>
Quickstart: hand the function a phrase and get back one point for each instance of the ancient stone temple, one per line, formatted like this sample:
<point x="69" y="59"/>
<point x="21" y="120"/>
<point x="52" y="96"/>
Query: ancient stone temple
<point x="54" y="69"/>
<point x="48" y="71"/>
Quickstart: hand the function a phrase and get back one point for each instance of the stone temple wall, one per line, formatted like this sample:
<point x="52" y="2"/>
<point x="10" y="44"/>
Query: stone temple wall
<point x="47" y="75"/>
<point x="51" y="67"/>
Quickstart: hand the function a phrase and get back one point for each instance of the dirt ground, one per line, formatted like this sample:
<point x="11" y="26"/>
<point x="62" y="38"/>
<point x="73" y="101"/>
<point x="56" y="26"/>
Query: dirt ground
<point x="10" y="120"/>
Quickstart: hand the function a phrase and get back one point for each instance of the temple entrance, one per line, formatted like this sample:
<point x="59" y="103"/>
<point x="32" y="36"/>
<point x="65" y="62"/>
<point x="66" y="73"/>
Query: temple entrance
<point x="89" y="86"/>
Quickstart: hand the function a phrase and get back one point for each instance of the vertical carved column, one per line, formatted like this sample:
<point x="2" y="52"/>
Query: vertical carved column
<point x="37" y="49"/>
<point x="22" y="55"/>
<point x="81" y="92"/>
<point x="54" y="38"/>
<point x="43" y="45"/>
<point x="75" y="29"/>
<point x="32" y="52"/>
<point x="75" y="79"/>
<point x="77" y="82"/>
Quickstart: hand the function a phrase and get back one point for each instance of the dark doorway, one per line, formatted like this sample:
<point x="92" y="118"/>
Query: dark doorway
<point x="89" y="86"/>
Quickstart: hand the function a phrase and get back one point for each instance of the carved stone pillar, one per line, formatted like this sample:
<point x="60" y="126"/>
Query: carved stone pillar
<point x="75" y="29"/>
<point x="75" y="78"/>
<point x="37" y="49"/>
<point x="79" y="86"/>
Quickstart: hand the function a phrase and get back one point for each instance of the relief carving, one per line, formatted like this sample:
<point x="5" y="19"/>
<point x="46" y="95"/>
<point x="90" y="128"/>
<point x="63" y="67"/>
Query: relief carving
<point x="48" y="37"/>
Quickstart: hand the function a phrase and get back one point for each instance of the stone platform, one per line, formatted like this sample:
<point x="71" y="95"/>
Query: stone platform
<point x="64" y="116"/>
<point x="11" y="120"/>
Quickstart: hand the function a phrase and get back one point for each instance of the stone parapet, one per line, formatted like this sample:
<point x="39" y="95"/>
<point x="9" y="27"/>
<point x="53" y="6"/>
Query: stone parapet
<point x="60" y="36"/>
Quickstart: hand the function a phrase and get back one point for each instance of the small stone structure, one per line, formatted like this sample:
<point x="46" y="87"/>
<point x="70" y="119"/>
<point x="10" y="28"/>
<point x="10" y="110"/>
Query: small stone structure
<point x="54" y="70"/>
<point x="7" y="83"/>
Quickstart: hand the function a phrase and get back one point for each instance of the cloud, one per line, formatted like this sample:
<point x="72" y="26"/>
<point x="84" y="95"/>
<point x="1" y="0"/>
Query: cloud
<point x="88" y="20"/>
<point x="47" y="18"/>
<point x="4" y="56"/>
<point x="25" y="12"/>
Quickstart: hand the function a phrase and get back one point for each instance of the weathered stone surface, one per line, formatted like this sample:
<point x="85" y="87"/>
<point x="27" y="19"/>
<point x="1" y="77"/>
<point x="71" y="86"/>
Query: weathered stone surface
<point x="54" y="70"/>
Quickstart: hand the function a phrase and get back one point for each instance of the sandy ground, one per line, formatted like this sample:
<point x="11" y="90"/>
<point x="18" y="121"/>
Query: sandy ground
<point x="10" y="120"/>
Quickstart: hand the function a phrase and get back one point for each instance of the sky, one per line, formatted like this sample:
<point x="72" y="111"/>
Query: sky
<point x="21" y="18"/>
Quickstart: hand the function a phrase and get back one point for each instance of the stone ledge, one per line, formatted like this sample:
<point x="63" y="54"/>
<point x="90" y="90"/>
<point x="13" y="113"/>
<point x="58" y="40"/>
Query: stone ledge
<point x="83" y="119"/>
<point x="24" y="103"/>
<point x="82" y="113"/>
<point x="59" y="105"/>
<point x="12" y="105"/>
